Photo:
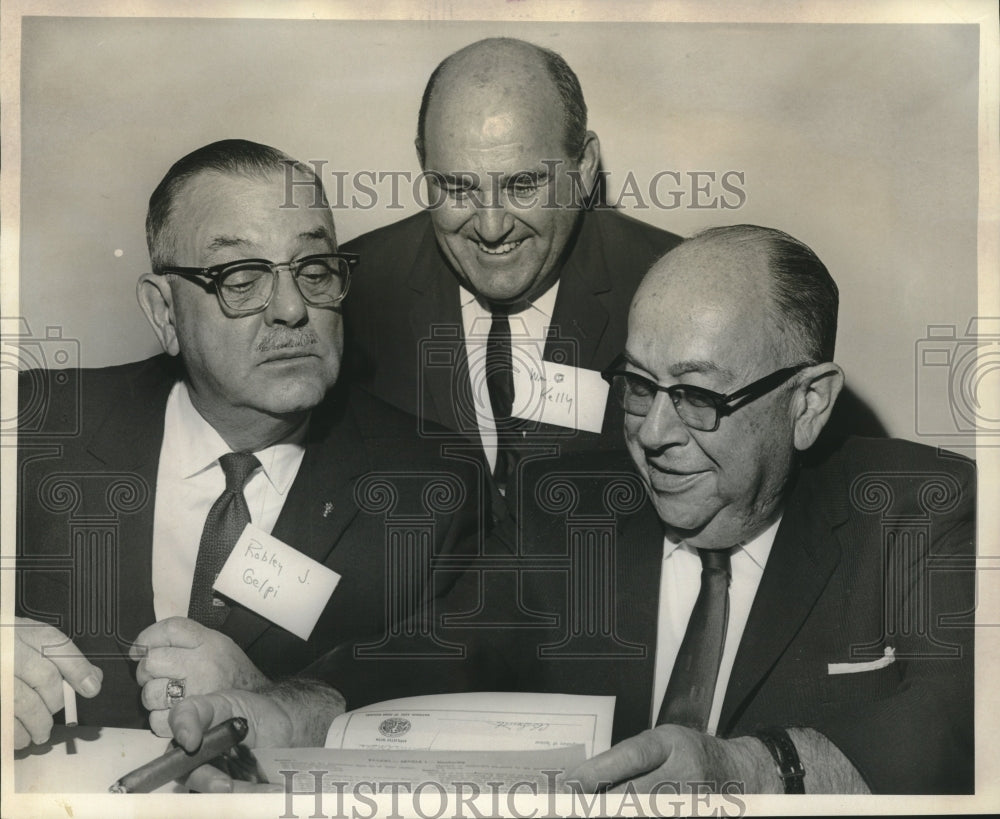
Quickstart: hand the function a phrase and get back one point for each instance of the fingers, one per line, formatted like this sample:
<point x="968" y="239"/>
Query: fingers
<point x="39" y="675"/>
<point x="179" y="632"/>
<point x="251" y="787"/>
<point x="22" y="738"/>
<point x="79" y="672"/>
<point x="627" y="760"/>
<point x="39" y="646"/>
<point x="653" y="782"/>
<point x="155" y="694"/>
<point x="158" y="698"/>
<point x="170" y="663"/>
<point x="159" y="724"/>
<point x="209" y="779"/>
<point x="669" y="757"/>
<point x="32" y="713"/>
<point x="268" y="723"/>
<point x="42" y="657"/>
<point x="190" y="718"/>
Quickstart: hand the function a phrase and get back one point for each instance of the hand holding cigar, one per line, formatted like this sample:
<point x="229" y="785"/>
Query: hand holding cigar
<point x="293" y="713"/>
<point x="178" y="763"/>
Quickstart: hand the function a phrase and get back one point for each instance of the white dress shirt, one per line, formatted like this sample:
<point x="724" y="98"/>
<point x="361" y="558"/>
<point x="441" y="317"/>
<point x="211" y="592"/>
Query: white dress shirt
<point x="680" y="580"/>
<point x="190" y="479"/>
<point x="528" y="330"/>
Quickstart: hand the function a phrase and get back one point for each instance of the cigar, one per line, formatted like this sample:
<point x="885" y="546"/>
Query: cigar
<point x="177" y="762"/>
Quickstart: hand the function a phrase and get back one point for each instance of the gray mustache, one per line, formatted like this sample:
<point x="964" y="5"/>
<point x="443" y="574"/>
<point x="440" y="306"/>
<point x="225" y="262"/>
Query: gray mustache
<point x="281" y="338"/>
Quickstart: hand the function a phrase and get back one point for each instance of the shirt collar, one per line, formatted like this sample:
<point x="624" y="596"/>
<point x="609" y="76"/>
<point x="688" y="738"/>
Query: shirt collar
<point x="544" y="304"/>
<point x="199" y="445"/>
<point x="757" y="549"/>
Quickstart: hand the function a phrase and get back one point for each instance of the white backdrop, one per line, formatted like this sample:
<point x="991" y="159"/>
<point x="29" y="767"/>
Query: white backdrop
<point x="859" y="139"/>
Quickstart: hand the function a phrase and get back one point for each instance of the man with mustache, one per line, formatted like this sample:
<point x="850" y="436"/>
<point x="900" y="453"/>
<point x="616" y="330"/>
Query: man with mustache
<point x="127" y="521"/>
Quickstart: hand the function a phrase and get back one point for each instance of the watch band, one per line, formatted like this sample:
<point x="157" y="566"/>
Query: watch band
<point x="781" y="747"/>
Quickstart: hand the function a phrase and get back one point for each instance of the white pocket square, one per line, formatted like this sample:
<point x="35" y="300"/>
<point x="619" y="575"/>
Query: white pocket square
<point x="867" y="665"/>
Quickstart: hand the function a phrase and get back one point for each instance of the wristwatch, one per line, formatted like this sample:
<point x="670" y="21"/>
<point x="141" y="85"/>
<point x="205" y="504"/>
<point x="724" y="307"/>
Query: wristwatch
<point x="781" y="747"/>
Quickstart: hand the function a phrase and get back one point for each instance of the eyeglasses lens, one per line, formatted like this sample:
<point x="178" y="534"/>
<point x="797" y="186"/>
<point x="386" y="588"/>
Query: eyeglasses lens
<point x="248" y="287"/>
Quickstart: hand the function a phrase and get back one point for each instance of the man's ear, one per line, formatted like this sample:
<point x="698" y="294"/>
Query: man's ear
<point x="816" y="395"/>
<point x="157" y="301"/>
<point x="590" y="162"/>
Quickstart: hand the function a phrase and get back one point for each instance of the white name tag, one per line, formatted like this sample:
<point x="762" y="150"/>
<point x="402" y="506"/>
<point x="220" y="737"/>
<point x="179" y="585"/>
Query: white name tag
<point x="276" y="581"/>
<point x="559" y="394"/>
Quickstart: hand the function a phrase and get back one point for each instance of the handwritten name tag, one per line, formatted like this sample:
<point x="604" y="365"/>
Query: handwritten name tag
<point x="276" y="581"/>
<point x="559" y="394"/>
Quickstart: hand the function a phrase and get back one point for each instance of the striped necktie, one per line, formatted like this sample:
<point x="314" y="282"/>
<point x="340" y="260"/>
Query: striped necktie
<point x="225" y="523"/>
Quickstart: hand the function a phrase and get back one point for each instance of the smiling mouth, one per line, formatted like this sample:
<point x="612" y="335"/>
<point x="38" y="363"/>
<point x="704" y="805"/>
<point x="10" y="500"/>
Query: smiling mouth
<point x="500" y="250"/>
<point x="670" y="480"/>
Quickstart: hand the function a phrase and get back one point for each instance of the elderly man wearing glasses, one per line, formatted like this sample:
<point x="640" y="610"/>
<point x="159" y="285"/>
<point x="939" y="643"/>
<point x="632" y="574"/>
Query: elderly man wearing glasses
<point x="803" y="604"/>
<point x="137" y="481"/>
<point x="773" y="613"/>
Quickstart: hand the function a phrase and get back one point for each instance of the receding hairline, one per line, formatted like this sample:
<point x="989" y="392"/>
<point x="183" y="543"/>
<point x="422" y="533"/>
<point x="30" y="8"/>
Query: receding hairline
<point x="800" y="297"/>
<point x="299" y="171"/>
<point x="165" y="237"/>
<point x="562" y="82"/>
<point x="456" y="76"/>
<point x="497" y="50"/>
<point x="738" y="255"/>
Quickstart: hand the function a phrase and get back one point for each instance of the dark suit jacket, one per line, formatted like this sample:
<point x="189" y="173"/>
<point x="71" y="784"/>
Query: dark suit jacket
<point x="404" y="323"/>
<point x="875" y="550"/>
<point x="89" y="448"/>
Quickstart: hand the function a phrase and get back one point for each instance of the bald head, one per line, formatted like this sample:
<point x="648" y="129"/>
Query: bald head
<point x="759" y="275"/>
<point x="511" y="74"/>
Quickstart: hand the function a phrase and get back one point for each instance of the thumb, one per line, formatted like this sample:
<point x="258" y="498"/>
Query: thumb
<point x="88" y="685"/>
<point x="193" y="716"/>
<point x="77" y="670"/>
<point x="269" y="724"/>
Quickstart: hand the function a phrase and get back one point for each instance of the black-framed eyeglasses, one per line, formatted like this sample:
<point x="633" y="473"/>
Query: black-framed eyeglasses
<point x="697" y="407"/>
<point x="246" y="286"/>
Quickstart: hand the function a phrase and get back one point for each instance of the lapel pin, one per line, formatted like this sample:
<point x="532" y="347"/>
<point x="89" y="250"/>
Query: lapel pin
<point x="327" y="509"/>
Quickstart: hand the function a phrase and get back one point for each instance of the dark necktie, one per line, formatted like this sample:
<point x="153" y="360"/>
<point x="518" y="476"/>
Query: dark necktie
<point x="500" y="369"/>
<point x="226" y="520"/>
<point x="688" y="700"/>
<point x="500" y="383"/>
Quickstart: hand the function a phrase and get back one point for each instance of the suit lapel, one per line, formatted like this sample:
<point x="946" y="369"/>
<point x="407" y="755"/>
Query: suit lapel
<point x="320" y="504"/>
<point x="804" y="554"/>
<point x="579" y="313"/>
<point x="129" y="439"/>
<point x="435" y="307"/>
